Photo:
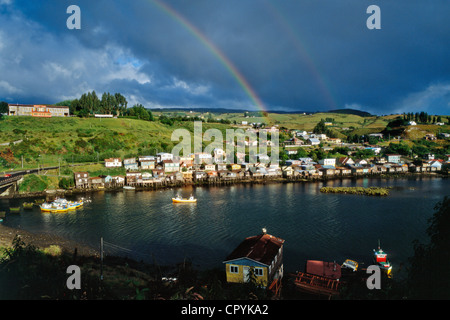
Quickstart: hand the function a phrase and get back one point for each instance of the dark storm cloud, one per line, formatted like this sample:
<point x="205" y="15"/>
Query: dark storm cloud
<point x="304" y="55"/>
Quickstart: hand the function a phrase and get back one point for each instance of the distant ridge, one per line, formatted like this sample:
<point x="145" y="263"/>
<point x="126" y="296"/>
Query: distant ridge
<point x="224" y="110"/>
<point x="351" y="111"/>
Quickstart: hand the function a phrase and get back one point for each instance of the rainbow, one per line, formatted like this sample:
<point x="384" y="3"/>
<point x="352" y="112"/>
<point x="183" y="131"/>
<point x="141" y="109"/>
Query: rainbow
<point x="217" y="53"/>
<point x="294" y="36"/>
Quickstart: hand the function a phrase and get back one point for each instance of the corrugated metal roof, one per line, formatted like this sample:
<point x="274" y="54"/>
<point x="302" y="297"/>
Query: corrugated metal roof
<point x="262" y="248"/>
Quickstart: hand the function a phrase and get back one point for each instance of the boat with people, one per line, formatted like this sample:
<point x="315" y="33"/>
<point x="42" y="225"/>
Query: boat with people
<point x="60" y="205"/>
<point x="178" y="199"/>
<point x="381" y="260"/>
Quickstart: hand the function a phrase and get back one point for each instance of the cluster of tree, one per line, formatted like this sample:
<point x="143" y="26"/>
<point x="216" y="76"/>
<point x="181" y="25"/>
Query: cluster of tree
<point x="322" y="128"/>
<point x="89" y="104"/>
<point x="140" y="112"/>
<point x="421" y="117"/>
<point x="255" y="114"/>
<point x="169" y="120"/>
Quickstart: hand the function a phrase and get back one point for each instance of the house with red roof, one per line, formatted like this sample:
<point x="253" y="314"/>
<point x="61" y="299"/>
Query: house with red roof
<point x="260" y="256"/>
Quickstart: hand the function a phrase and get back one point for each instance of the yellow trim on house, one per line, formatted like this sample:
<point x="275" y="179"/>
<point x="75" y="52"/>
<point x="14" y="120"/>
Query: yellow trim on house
<point x="235" y="273"/>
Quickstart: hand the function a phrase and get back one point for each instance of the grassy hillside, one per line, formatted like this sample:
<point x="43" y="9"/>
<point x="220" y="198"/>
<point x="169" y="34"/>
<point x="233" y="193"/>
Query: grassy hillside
<point x="50" y="141"/>
<point x="53" y="141"/>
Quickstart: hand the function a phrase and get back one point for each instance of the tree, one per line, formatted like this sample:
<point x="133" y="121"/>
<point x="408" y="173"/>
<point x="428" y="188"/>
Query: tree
<point x="320" y="127"/>
<point x="429" y="274"/>
<point x="3" y="107"/>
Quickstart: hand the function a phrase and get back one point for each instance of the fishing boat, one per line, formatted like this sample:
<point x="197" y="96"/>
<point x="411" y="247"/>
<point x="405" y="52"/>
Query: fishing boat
<point x="319" y="278"/>
<point x="61" y="205"/>
<point x="178" y="199"/>
<point x="350" y="264"/>
<point x="381" y="260"/>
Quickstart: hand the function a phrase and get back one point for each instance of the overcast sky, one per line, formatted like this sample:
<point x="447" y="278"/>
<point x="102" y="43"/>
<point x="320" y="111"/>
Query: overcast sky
<point x="306" y="55"/>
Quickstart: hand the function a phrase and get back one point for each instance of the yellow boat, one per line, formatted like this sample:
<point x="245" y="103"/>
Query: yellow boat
<point x="181" y="200"/>
<point x="60" y="205"/>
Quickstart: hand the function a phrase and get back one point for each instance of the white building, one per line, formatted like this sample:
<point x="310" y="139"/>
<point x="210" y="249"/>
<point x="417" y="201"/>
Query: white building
<point x="328" y="162"/>
<point x="202" y="157"/>
<point x="113" y="162"/>
<point x="219" y="155"/>
<point x="161" y="156"/>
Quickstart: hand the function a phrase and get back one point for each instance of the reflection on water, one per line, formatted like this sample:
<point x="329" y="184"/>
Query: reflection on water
<point x="147" y="225"/>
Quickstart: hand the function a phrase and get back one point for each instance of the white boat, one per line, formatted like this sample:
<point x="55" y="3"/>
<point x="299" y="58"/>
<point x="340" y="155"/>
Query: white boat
<point x="60" y="205"/>
<point x="129" y="188"/>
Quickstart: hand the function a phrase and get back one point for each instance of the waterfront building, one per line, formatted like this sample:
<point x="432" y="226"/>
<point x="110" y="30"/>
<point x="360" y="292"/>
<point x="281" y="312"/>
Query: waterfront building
<point x="34" y="110"/>
<point x="96" y="182"/>
<point x="328" y="162"/>
<point x="81" y="179"/>
<point x="263" y="254"/>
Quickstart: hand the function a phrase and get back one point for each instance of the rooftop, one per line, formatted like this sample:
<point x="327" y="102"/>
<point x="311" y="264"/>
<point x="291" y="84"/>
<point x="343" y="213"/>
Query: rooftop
<point x="261" y="248"/>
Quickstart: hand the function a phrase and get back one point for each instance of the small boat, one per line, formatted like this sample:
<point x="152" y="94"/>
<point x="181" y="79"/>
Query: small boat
<point x="381" y="260"/>
<point x="129" y="188"/>
<point x="39" y="201"/>
<point x="319" y="278"/>
<point x="350" y="264"/>
<point x="28" y="205"/>
<point x="61" y="205"/>
<point x="14" y="209"/>
<point x="178" y="199"/>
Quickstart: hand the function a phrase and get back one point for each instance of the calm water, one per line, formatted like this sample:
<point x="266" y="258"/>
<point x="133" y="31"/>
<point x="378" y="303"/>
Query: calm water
<point x="147" y="225"/>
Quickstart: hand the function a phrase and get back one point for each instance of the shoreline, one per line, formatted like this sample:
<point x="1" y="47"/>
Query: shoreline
<point x="203" y="183"/>
<point x="44" y="240"/>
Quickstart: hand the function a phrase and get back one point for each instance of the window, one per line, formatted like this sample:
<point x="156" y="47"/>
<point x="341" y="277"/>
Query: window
<point x="234" y="269"/>
<point x="259" y="272"/>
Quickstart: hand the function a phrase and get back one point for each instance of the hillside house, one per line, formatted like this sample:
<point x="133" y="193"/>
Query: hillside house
<point x="113" y="163"/>
<point x="161" y="156"/>
<point x="130" y="164"/>
<point x="393" y="158"/>
<point x="147" y="162"/>
<point x="170" y="166"/>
